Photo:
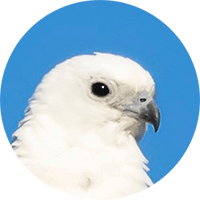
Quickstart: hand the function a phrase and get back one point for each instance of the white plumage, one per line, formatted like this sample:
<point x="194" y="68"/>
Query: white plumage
<point x="83" y="144"/>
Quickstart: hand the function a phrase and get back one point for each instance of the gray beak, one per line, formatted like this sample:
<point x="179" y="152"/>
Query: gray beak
<point x="144" y="108"/>
<point x="151" y="114"/>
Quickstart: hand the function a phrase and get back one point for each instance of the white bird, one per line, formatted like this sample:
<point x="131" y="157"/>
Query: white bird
<point x="81" y="130"/>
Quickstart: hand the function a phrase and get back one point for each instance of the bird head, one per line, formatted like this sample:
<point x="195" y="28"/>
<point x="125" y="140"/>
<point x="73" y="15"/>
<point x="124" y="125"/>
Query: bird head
<point x="91" y="91"/>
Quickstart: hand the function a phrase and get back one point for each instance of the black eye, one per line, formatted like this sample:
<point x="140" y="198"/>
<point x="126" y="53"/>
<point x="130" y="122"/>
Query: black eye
<point x="100" y="89"/>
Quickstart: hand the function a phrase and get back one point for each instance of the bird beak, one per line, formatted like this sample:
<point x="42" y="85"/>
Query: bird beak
<point x="144" y="109"/>
<point x="151" y="114"/>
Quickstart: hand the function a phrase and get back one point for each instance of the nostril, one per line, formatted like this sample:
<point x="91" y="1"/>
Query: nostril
<point x="142" y="100"/>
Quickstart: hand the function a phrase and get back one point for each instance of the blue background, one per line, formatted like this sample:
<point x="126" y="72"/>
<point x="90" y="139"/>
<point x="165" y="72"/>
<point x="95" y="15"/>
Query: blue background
<point x="119" y="29"/>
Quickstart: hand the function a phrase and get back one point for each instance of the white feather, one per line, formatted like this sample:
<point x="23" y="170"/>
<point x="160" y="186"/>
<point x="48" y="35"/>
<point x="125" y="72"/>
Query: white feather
<point x="78" y="143"/>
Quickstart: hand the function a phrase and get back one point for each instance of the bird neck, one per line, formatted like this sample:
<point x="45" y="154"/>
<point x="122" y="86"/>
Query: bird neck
<point x="48" y="138"/>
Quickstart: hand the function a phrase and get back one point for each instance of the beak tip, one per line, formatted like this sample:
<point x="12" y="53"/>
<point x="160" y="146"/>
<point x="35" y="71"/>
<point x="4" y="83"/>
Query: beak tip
<point x="155" y="129"/>
<point x="156" y="123"/>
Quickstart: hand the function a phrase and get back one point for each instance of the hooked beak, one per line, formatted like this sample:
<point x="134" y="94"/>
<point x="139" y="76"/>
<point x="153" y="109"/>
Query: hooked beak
<point x="144" y="108"/>
<point x="151" y="114"/>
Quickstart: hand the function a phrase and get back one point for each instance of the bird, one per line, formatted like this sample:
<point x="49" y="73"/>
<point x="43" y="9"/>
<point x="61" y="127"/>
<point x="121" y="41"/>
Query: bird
<point x="81" y="130"/>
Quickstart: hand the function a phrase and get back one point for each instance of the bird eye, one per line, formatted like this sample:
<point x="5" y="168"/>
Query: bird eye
<point x="100" y="89"/>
